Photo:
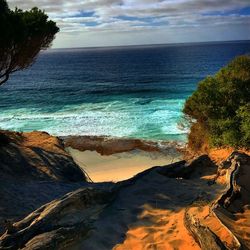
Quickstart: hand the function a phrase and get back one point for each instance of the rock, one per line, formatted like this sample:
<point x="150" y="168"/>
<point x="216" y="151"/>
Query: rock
<point x="203" y="235"/>
<point x="233" y="207"/>
<point x="201" y="166"/>
<point x="57" y="223"/>
<point x="68" y="220"/>
<point x="37" y="155"/>
<point x="109" y="146"/>
<point x="238" y="174"/>
<point x="34" y="169"/>
<point x="223" y="216"/>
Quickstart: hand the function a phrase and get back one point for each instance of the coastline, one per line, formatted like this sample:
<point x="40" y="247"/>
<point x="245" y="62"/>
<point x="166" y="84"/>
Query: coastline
<point x="116" y="159"/>
<point x="107" y="145"/>
<point x="118" y="166"/>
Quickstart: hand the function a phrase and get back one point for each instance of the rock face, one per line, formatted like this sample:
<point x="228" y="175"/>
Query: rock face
<point x="233" y="207"/>
<point x="203" y="235"/>
<point x="238" y="193"/>
<point x="138" y="213"/>
<point x="227" y="224"/>
<point x="56" y="224"/>
<point x="34" y="169"/>
<point x="37" y="156"/>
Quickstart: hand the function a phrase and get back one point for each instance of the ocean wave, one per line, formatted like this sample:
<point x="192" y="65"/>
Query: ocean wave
<point x="129" y="117"/>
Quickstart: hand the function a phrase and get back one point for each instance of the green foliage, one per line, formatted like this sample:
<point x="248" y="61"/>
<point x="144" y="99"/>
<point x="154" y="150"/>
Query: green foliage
<point x="221" y="105"/>
<point x="23" y="35"/>
<point x="244" y="116"/>
<point x="197" y="138"/>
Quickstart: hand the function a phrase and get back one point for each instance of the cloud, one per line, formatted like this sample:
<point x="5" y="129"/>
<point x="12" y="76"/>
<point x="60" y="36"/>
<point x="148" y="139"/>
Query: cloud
<point x="93" y="17"/>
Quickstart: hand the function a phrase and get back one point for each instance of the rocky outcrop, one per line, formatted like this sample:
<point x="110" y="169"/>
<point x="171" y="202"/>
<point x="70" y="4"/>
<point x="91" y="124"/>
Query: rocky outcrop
<point x="73" y="223"/>
<point x="34" y="169"/>
<point x="233" y="207"/>
<point x="238" y="174"/>
<point x="109" y="146"/>
<point x="203" y="235"/>
<point x="207" y="214"/>
<point x="226" y="223"/>
<point x="201" y="166"/>
<point x="36" y="156"/>
<point x="59" y="223"/>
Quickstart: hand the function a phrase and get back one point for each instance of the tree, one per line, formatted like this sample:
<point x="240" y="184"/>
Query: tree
<point x="22" y="35"/>
<point x="220" y="107"/>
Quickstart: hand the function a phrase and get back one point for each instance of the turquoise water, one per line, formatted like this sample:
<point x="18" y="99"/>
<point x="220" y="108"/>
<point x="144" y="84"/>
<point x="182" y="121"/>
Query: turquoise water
<point x="121" y="118"/>
<point x="136" y="92"/>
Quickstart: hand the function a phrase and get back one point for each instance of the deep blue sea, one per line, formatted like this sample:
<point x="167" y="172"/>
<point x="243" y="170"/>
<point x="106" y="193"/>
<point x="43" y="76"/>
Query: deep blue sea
<point x="134" y="91"/>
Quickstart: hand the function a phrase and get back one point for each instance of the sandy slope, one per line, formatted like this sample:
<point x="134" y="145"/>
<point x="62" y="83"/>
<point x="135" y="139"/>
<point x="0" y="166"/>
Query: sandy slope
<point x="149" y="214"/>
<point x="158" y="229"/>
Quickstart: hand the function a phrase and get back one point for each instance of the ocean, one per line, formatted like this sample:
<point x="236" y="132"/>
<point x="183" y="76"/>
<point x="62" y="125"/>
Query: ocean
<point x="132" y="92"/>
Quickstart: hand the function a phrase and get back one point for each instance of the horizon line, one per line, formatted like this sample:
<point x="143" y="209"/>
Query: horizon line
<point x="149" y="45"/>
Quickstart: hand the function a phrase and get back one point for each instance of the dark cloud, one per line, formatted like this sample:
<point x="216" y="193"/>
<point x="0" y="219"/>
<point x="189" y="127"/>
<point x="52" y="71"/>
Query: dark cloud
<point x="141" y="15"/>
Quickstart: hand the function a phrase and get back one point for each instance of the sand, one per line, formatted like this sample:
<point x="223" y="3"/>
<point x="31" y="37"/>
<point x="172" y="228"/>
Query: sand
<point x="148" y="213"/>
<point x="158" y="229"/>
<point x="119" y="166"/>
<point x="219" y="155"/>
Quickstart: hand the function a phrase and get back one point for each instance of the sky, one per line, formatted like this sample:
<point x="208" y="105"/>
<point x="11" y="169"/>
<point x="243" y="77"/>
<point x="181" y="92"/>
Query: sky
<point x="94" y="23"/>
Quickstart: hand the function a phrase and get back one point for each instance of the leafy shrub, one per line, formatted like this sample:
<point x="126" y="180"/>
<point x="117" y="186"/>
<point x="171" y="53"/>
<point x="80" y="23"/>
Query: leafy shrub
<point x="220" y="107"/>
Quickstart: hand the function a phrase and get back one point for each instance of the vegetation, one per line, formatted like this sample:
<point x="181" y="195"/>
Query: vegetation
<point x="23" y="35"/>
<point x="219" y="109"/>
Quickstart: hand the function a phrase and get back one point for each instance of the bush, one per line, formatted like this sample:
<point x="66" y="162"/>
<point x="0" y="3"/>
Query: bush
<point x="221" y="107"/>
<point x="198" y="138"/>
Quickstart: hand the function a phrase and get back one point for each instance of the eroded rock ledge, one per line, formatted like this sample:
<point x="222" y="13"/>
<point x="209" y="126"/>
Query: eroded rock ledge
<point x="56" y="224"/>
<point x="104" y="218"/>
<point x="37" y="156"/>
<point x="34" y="169"/>
<point x="226" y="221"/>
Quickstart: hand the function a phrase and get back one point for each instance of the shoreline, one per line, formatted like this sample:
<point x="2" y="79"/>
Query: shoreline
<point x="106" y="159"/>
<point x="119" y="166"/>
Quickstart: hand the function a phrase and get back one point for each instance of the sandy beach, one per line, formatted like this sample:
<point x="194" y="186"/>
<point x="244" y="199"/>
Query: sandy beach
<point x="119" y="166"/>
